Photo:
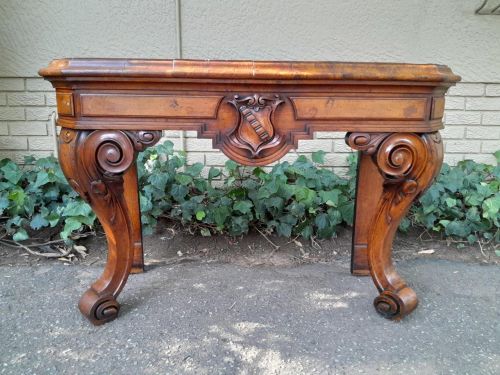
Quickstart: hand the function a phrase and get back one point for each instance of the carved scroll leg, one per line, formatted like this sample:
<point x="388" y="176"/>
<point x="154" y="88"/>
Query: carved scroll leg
<point x="407" y="164"/>
<point x="99" y="165"/>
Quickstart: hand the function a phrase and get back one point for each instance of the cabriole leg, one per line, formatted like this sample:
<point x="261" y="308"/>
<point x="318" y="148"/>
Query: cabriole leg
<point x="407" y="163"/>
<point x="100" y="166"/>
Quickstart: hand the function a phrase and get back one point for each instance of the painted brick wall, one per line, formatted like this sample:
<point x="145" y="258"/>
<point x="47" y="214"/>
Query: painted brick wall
<point x="26" y="105"/>
<point x="472" y="126"/>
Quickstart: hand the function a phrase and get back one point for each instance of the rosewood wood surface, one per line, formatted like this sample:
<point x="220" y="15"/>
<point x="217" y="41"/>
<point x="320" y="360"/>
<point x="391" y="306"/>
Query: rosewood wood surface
<point x="254" y="112"/>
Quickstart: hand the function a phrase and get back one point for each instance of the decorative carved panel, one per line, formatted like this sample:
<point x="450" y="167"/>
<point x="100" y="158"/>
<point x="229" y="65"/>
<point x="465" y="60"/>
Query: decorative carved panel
<point x="147" y="105"/>
<point x="255" y="129"/>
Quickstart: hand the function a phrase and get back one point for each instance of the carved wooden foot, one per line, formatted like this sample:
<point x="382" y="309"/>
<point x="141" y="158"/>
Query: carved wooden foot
<point x="394" y="170"/>
<point x="100" y="166"/>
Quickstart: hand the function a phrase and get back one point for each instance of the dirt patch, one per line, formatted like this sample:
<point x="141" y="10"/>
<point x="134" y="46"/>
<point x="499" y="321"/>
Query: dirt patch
<point x="171" y="244"/>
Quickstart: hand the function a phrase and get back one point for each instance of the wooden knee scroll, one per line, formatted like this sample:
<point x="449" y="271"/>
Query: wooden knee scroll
<point x="395" y="169"/>
<point x="100" y="166"/>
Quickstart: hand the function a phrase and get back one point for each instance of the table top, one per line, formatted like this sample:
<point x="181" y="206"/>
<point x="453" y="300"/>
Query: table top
<point x="117" y="69"/>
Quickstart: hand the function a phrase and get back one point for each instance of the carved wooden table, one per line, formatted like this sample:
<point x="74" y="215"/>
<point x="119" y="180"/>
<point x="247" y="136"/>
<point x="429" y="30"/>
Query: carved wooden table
<point x="255" y="112"/>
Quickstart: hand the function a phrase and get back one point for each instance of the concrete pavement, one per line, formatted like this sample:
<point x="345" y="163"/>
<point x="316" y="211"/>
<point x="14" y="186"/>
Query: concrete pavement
<point x="213" y="318"/>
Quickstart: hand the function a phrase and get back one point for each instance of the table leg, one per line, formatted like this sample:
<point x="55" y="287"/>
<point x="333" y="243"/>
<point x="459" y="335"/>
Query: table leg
<point x="407" y="163"/>
<point x="100" y="166"/>
<point x="132" y="201"/>
<point x="368" y="185"/>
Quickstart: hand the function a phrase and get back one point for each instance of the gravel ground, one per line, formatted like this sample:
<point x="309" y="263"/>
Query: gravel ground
<point x="216" y="318"/>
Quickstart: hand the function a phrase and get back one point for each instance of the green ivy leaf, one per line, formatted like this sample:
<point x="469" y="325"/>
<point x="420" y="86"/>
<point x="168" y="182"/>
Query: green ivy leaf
<point x="38" y="222"/>
<point x="238" y="225"/>
<point x="284" y="229"/>
<point x="305" y="195"/>
<point x="183" y="179"/>
<point x="318" y="157"/>
<point x="347" y="212"/>
<point x="404" y="225"/>
<point x="213" y="173"/>
<point x="450" y="202"/>
<point x="497" y="156"/>
<point x="166" y="148"/>
<point x="220" y="215"/>
<point x="306" y="232"/>
<point x="274" y="202"/>
<point x="11" y="172"/>
<point x="243" y="206"/>
<point x="330" y="198"/>
<point x="260" y="173"/>
<point x="20" y="235"/>
<point x="194" y="170"/>
<point x="334" y="216"/>
<point x="231" y="165"/>
<point x="457" y="228"/>
<point x="18" y="196"/>
<point x="321" y="221"/>
<point x="145" y="203"/>
<point x="491" y="206"/>
<point x="53" y="219"/>
<point x="77" y="208"/>
<point x="4" y="203"/>
<point x="71" y="224"/>
<point x="179" y="192"/>
<point x="297" y="209"/>
<point x="471" y="238"/>
<point x="29" y="159"/>
<point x="159" y="180"/>
<point x="200" y="215"/>
<point x="42" y="178"/>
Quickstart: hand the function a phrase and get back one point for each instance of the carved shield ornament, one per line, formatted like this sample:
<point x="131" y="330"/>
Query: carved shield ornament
<point x="255" y="129"/>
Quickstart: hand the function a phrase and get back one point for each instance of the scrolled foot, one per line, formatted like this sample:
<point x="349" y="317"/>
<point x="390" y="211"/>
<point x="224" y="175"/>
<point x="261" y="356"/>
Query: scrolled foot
<point x="98" y="309"/>
<point x="395" y="306"/>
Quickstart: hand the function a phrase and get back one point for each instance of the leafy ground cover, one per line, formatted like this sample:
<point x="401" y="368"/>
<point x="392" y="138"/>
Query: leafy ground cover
<point x="295" y="200"/>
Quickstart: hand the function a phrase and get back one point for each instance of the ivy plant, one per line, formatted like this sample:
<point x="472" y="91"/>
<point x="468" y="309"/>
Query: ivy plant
<point x="35" y="196"/>
<point x="296" y="199"/>
<point x="463" y="202"/>
<point x="290" y="199"/>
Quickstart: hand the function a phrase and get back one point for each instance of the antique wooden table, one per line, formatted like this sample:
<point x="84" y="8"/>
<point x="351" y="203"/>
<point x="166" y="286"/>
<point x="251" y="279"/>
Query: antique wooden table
<point x="255" y="112"/>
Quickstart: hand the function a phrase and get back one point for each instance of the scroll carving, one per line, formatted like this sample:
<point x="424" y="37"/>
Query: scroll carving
<point x="408" y="163"/>
<point x="255" y="130"/>
<point x="365" y="142"/>
<point x="95" y="163"/>
<point x="143" y="139"/>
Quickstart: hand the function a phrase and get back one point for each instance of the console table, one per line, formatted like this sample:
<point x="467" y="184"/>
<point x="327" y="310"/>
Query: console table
<point x="254" y="112"/>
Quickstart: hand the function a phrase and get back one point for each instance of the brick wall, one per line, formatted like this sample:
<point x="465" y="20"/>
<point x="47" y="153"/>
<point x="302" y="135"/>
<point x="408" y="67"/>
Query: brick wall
<point x="472" y="126"/>
<point x="25" y="108"/>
